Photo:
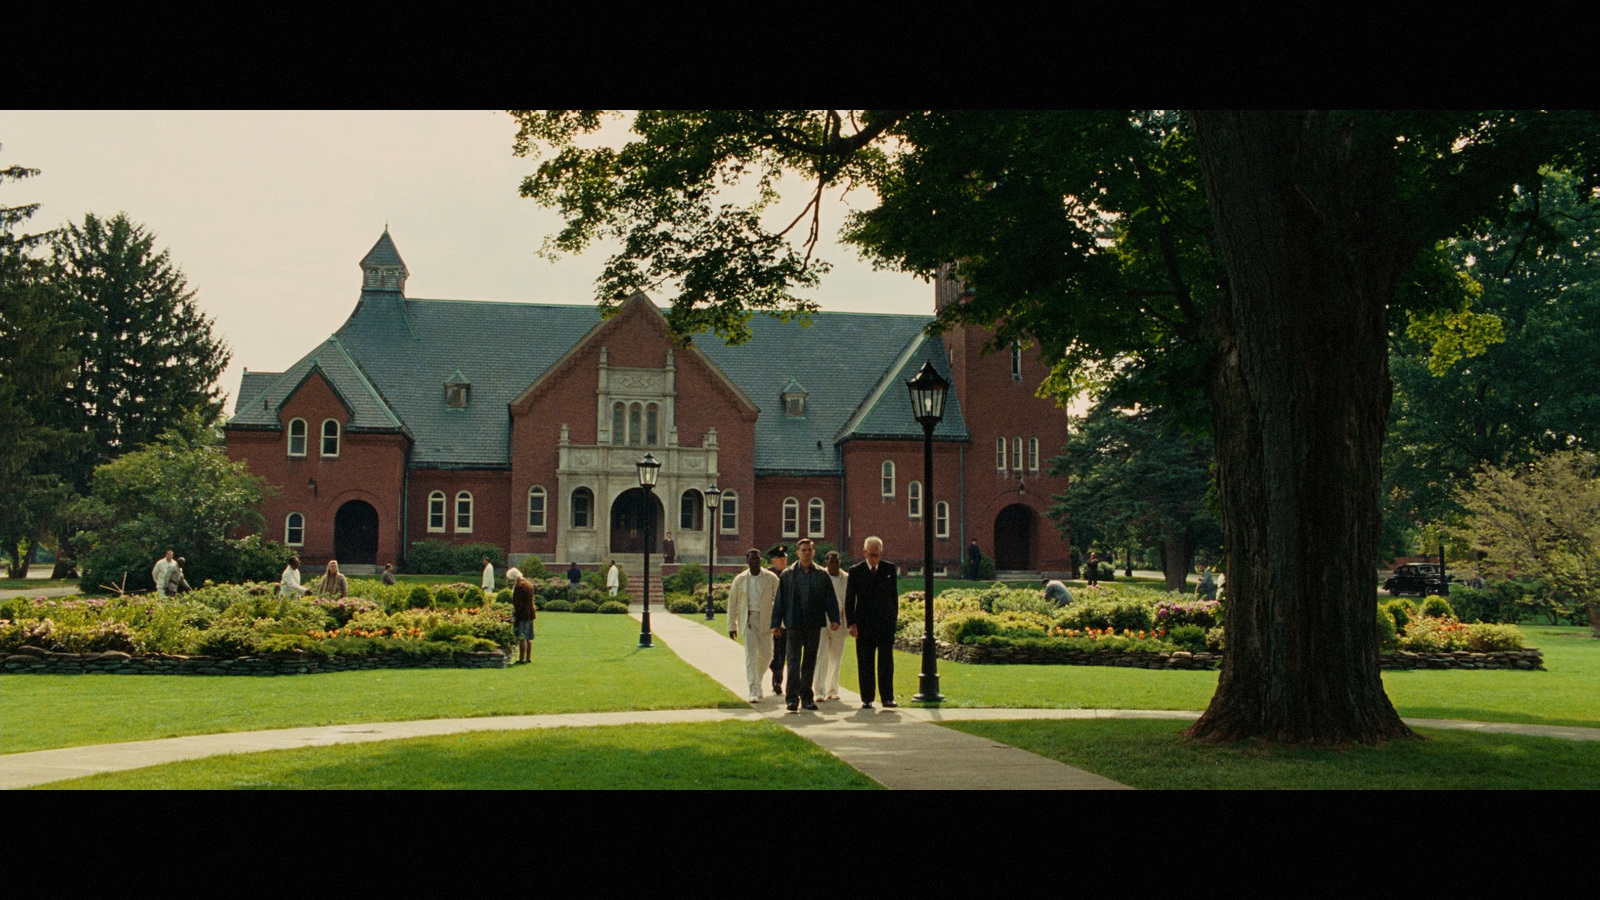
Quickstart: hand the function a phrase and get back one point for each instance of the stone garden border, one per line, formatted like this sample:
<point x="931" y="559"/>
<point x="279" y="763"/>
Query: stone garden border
<point x="1528" y="658"/>
<point x="32" y="660"/>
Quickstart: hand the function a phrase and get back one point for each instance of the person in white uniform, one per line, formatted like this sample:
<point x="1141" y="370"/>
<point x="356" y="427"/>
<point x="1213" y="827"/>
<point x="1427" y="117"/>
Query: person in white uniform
<point x="289" y="584"/>
<point x="162" y="569"/>
<point x="825" y="684"/>
<point x="750" y="600"/>
<point x="614" y="579"/>
<point x="488" y="581"/>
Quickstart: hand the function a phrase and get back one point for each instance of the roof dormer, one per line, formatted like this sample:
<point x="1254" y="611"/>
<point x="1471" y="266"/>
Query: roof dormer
<point x="794" y="400"/>
<point x="382" y="269"/>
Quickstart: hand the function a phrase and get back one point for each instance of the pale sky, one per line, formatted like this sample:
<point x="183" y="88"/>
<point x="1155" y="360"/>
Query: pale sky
<point x="269" y="213"/>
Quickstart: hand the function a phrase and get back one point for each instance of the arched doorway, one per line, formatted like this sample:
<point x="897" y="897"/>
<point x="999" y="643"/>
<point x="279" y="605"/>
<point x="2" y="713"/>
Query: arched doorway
<point x="355" y="533"/>
<point x="627" y="522"/>
<point x="1013" y="538"/>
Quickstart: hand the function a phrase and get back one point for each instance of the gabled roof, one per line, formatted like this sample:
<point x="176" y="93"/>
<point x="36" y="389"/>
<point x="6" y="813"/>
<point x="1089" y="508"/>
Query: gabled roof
<point x="383" y="253"/>
<point x="252" y="385"/>
<point x="886" y="410"/>
<point x="368" y="409"/>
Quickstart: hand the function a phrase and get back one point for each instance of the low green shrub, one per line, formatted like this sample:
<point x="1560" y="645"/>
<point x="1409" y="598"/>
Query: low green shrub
<point x="1214" y="639"/>
<point x="558" y="606"/>
<point x="229" y="640"/>
<point x="613" y="607"/>
<point x="1400" y="611"/>
<point x="1388" y="634"/>
<point x="682" y="605"/>
<point x="1438" y="608"/>
<point x="1188" y="637"/>
<point x="585" y="606"/>
<point x="472" y="596"/>
<point x="420" y="597"/>
<point x="503" y="595"/>
<point x="685" y="580"/>
<point x="1487" y="637"/>
<point x="965" y="627"/>
<point x="446" y="596"/>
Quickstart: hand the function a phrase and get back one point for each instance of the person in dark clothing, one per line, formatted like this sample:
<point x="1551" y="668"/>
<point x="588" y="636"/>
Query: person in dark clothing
<point x="806" y="602"/>
<point x="974" y="560"/>
<point x="388" y="573"/>
<point x="871" y="605"/>
<point x="777" y="561"/>
<point x="669" y="549"/>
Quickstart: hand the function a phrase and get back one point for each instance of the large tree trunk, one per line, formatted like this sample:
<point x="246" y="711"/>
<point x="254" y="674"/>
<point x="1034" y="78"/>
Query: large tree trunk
<point x="1177" y="558"/>
<point x="1306" y="227"/>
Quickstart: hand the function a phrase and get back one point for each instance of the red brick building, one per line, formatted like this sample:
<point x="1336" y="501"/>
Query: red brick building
<point x="519" y="425"/>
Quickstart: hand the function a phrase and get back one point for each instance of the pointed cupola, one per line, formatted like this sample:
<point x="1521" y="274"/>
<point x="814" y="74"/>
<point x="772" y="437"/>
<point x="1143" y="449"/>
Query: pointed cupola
<point x="382" y="269"/>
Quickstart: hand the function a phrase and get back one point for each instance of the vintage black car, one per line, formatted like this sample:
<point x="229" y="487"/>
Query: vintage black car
<point x="1420" y="579"/>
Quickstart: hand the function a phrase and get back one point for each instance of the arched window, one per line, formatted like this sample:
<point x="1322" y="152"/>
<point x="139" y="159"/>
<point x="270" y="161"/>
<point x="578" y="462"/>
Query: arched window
<point x="730" y="512"/>
<point x="888" y="478"/>
<point x="914" y="497"/>
<point x="1000" y="454"/>
<point x="791" y="517"/>
<point x="330" y="437"/>
<point x="619" y="424"/>
<point x="1016" y="454"/>
<point x="1033" y="454"/>
<point x="941" y="519"/>
<point x="294" y="529"/>
<point x="691" y="511"/>
<point x="652" y="418"/>
<point x="814" y="518"/>
<point x="1016" y="361"/>
<point x="464" y="512"/>
<point x="633" y="425"/>
<point x="297" y="437"/>
<point x="583" y="508"/>
<point x="536" y="497"/>
<point x="436" y="511"/>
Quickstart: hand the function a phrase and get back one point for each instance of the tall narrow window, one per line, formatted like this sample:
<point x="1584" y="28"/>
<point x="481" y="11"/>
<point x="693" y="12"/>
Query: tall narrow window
<point x="297" y="437"/>
<point x="814" y="518"/>
<point x="582" y="508"/>
<point x="294" y="530"/>
<point x="436" y="511"/>
<point x="791" y="517"/>
<point x="330" y="437"/>
<point x="1016" y="361"/>
<point x="463" y="512"/>
<point x="941" y="519"/>
<point x="691" y="511"/>
<point x="536" y="497"/>
<point x="619" y="425"/>
<point x="730" y="512"/>
<point x="1033" y="454"/>
<point x="888" y="478"/>
<point x="634" y="432"/>
<point x="914" y="499"/>
<point x="1000" y="454"/>
<point x="652" y="416"/>
<point x="1016" y="454"/>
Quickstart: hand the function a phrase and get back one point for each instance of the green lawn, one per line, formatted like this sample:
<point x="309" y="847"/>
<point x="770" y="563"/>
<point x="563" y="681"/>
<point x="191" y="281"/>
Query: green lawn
<point x="582" y="663"/>
<point x="1152" y="755"/>
<point x="702" y="756"/>
<point x="1567" y="694"/>
<point x="29" y="584"/>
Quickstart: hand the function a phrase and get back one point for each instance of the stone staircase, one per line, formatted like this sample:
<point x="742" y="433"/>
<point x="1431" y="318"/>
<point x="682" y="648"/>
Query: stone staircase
<point x="632" y="565"/>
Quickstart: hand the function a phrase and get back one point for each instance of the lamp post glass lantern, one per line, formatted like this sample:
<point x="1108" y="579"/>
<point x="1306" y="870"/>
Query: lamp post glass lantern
<point x="714" y="512"/>
<point x="928" y="390"/>
<point x="649" y="469"/>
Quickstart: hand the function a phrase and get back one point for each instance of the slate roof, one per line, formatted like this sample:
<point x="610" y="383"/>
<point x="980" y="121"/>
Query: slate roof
<point x="369" y="411"/>
<point x="409" y="348"/>
<point x="383" y="253"/>
<point x="252" y="385"/>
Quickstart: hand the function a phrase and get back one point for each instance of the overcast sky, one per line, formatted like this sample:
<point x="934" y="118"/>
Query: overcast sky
<point x="269" y="214"/>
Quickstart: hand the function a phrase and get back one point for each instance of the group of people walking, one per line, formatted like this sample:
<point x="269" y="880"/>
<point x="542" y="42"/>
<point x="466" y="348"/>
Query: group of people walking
<point x="794" y="619"/>
<point x="168" y="575"/>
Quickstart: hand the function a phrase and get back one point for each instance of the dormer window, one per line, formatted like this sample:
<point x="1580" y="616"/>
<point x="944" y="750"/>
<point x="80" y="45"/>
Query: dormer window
<point x="456" y="391"/>
<point x="794" y="400"/>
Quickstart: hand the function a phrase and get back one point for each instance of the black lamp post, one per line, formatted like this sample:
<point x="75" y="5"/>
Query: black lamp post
<point x="714" y="510"/>
<point x="928" y="391"/>
<point x="648" y="470"/>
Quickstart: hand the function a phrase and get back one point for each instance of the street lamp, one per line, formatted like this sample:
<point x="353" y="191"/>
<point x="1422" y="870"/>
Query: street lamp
<point x="714" y="510"/>
<point x="928" y="391"/>
<point x="648" y="470"/>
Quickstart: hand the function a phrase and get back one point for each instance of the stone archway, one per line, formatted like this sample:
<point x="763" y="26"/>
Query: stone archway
<point x="1014" y="531"/>
<point x="627" y="522"/>
<point x="355" y="534"/>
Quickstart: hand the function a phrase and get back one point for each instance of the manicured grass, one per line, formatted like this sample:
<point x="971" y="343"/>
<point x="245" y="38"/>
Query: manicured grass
<point x="30" y="584"/>
<point x="1152" y="755"/>
<point x="1567" y="694"/>
<point x="581" y="663"/>
<point x="701" y="756"/>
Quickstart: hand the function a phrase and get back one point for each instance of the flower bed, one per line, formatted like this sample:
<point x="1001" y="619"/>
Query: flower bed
<point x="1062" y="652"/>
<point x="32" y="660"/>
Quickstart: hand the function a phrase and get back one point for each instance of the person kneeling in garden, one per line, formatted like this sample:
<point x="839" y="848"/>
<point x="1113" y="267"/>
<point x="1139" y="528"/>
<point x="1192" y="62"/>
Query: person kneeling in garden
<point x="522" y="614"/>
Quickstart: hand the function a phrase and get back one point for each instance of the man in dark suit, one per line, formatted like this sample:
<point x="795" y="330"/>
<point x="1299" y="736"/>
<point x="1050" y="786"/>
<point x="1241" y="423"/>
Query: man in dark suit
<point x="871" y="605"/>
<point x="806" y="602"/>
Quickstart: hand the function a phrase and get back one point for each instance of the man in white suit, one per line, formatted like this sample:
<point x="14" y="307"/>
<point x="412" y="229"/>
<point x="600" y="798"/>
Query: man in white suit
<point x="750" y="600"/>
<point x="825" y="686"/>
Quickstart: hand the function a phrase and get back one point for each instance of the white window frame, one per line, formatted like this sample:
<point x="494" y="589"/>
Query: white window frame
<point x="467" y="496"/>
<point x="886" y="478"/>
<point x="914" y="499"/>
<point x="1033" y="454"/>
<point x="941" y="519"/>
<point x="544" y="508"/>
<point x="289" y="529"/>
<point x="304" y="438"/>
<point x="438" y="507"/>
<point x="1016" y="454"/>
<point x="791" y="517"/>
<point x="816" y="518"/>
<point x="1000" y="454"/>
<point x="730" y="512"/>
<point x="322" y="444"/>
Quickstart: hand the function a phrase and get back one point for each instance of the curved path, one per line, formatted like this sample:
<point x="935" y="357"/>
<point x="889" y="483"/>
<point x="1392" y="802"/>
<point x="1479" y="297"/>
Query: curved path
<point x="901" y="748"/>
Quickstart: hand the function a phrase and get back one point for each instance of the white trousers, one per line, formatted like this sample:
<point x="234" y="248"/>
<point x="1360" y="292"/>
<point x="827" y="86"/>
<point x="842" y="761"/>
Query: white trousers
<point x="830" y="656"/>
<point x="757" y="656"/>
